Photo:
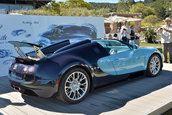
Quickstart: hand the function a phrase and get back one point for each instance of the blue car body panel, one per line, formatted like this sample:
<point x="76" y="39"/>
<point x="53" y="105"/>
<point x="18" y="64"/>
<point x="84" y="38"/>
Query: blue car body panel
<point x="124" y="62"/>
<point x="102" y="65"/>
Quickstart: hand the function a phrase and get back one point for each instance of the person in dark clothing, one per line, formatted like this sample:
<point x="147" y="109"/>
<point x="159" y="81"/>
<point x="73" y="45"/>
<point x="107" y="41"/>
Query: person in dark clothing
<point x="132" y="36"/>
<point x="115" y="36"/>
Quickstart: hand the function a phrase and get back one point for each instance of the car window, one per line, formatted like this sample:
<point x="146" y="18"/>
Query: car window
<point x="114" y="47"/>
<point x="116" y="43"/>
<point x="118" y="47"/>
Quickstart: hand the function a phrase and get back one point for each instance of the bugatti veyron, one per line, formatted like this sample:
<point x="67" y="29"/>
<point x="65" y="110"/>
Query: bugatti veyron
<point x="71" y="70"/>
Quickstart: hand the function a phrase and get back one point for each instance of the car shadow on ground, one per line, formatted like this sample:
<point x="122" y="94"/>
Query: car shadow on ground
<point x="107" y="98"/>
<point x="5" y="102"/>
<point x="5" y="88"/>
<point x="5" y="85"/>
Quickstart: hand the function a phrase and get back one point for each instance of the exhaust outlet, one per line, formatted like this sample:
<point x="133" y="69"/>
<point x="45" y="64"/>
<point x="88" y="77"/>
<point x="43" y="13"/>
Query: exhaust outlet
<point x="18" y="89"/>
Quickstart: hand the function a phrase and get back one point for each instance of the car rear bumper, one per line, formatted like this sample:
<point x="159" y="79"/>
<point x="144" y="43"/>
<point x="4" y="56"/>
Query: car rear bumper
<point x="42" y="88"/>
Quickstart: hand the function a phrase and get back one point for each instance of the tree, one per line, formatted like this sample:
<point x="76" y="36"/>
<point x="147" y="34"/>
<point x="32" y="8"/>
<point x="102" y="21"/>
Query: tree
<point x="78" y="4"/>
<point x="53" y="7"/>
<point x="161" y="7"/>
<point x="151" y="20"/>
<point x="111" y="6"/>
<point x="84" y="12"/>
<point x="148" y="1"/>
<point x="141" y="8"/>
<point x="124" y="5"/>
<point x="57" y="7"/>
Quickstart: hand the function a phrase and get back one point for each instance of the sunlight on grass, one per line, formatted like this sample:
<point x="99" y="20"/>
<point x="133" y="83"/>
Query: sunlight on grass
<point x="143" y="44"/>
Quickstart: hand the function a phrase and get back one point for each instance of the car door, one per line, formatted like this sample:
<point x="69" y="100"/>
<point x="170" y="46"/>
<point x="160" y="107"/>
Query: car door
<point x="124" y="59"/>
<point x="127" y="61"/>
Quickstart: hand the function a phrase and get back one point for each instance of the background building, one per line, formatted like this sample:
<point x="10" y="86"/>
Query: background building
<point x="112" y="26"/>
<point x="9" y="5"/>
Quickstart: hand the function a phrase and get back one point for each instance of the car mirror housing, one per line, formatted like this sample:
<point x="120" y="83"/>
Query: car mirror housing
<point x="135" y="46"/>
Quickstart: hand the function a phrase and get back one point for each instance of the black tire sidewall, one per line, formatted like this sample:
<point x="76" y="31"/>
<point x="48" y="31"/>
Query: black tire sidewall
<point x="62" y="93"/>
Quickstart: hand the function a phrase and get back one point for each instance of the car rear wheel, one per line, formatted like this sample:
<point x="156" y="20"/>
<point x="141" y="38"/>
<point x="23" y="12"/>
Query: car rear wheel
<point x="154" y="66"/>
<point x="75" y="86"/>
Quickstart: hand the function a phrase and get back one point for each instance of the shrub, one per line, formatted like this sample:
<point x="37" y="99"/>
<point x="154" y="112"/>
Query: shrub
<point x="33" y="12"/>
<point x="141" y="8"/>
<point x="150" y="35"/>
<point x="84" y="12"/>
<point x="150" y="20"/>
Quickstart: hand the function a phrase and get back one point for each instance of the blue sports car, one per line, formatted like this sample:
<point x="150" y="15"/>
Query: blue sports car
<point x="70" y="71"/>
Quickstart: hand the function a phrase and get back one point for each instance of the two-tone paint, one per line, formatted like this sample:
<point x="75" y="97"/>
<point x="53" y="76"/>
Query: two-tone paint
<point x="102" y="67"/>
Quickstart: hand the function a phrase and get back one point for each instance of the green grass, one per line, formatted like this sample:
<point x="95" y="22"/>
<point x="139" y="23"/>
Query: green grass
<point x="143" y="44"/>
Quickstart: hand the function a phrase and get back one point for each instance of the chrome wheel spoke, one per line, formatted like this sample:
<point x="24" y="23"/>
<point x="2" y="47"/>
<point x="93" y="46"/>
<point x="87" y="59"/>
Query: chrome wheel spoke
<point x="155" y="65"/>
<point x="82" y="78"/>
<point x="83" y="84"/>
<point x="70" y="93"/>
<point x="74" y="95"/>
<point x="82" y="89"/>
<point x="76" y="85"/>
<point x="78" y="93"/>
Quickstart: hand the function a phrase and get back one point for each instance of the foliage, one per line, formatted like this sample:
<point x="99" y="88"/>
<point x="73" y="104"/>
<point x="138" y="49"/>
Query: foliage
<point x="84" y="12"/>
<point x="124" y="5"/>
<point x="78" y="4"/>
<point x="143" y="44"/>
<point x="53" y="7"/>
<point x="148" y="1"/>
<point x="33" y="12"/>
<point x="57" y="7"/>
<point x="150" y="20"/>
<point x="66" y="12"/>
<point x="150" y="35"/>
<point x="141" y="8"/>
<point x="111" y="6"/>
<point x="161" y="7"/>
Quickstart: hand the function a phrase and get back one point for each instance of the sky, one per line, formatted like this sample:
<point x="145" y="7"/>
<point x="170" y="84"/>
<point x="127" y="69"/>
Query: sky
<point x="108" y="1"/>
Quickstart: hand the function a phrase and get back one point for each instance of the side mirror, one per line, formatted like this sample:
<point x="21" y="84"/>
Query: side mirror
<point x="136" y="46"/>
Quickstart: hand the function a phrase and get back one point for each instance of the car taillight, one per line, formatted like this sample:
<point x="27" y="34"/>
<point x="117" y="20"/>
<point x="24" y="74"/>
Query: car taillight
<point x="31" y="69"/>
<point x="25" y="69"/>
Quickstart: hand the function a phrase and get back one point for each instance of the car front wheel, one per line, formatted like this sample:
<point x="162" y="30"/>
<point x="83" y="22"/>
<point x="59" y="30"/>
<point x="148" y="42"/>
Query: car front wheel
<point x="75" y="86"/>
<point x="154" y="66"/>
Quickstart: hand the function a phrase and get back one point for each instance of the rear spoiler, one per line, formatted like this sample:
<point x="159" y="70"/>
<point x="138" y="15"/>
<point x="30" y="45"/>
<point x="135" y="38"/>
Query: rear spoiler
<point x="36" y="48"/>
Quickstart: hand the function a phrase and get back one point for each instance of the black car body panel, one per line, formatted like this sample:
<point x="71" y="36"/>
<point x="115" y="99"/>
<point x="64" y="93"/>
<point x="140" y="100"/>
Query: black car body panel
<point x="59" y="58"/>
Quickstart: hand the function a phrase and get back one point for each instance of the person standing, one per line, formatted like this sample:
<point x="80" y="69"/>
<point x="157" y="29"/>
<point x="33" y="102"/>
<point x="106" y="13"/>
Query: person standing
<point x="132" y="35"/>
<point x="125" y="32"/>
<point x="115" y="36"/>
<point x="109" y="36"/>
<point x="166" y="39"/>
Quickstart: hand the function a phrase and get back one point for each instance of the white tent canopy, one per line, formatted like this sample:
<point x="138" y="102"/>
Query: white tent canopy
<point x="117" y="19"/>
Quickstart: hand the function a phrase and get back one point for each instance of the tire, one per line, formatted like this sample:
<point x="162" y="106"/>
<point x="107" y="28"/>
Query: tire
<point x="154" y="66"/>
<point x="75" y="86"/>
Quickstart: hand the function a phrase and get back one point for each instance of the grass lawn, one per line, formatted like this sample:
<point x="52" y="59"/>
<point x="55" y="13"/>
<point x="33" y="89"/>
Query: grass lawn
<point x="143" y="44"/>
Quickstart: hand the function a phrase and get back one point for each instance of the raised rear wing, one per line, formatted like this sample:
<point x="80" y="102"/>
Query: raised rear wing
<point x="36" y="48"/>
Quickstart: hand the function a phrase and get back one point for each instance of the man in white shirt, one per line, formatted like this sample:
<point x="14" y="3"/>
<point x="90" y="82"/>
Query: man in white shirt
<point x="166" y="39"/>
<point x="125" y="32"/>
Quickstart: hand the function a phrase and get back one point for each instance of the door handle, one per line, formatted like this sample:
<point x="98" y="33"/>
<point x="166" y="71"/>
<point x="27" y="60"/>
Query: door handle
<point x="109" y="60"/>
